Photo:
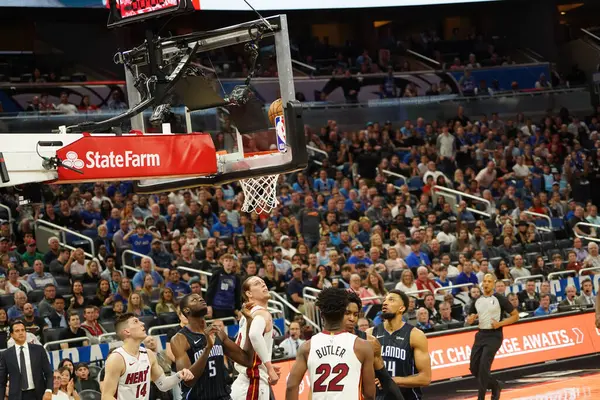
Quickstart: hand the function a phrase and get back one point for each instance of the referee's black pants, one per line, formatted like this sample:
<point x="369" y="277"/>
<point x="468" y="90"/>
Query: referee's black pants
<point x="487" y="343"/>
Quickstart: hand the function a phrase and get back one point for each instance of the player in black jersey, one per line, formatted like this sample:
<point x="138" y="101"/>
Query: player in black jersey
<point x="201" y="350"/>
<point x="390" y="390"/>
<point x="403" y="348"/>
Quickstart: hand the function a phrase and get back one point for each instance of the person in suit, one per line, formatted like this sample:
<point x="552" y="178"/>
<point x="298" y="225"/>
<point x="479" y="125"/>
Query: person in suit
<point x="293" y="342"/>
<point x="587" y="296"/>
<point x="569" y="300"/>
<point x="17" y="368"/>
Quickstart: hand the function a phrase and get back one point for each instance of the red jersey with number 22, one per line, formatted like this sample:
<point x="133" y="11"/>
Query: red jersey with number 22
<point x="333" y="368"/>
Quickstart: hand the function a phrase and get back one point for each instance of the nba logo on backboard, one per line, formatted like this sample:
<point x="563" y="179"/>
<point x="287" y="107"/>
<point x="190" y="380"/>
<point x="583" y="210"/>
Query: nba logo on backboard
<point x="280" y="131"/>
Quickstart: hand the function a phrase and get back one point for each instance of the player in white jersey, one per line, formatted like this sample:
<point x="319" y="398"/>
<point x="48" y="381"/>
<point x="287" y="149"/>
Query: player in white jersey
<point x="253" y="383"/>
<point x="130" y="368"/>
<point x="339" y="364"/>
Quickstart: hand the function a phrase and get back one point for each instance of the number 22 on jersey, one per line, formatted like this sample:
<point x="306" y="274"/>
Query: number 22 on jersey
<point x="337" y="374"/>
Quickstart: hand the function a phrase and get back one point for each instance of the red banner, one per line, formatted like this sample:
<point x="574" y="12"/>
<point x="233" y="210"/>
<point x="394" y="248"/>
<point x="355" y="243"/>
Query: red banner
<point x="137" y="157"/>
<point x="526" y="343"/>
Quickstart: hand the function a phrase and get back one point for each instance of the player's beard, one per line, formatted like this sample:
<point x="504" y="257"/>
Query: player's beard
<point x="201" y="313"/>
<point x="388" y="316"/>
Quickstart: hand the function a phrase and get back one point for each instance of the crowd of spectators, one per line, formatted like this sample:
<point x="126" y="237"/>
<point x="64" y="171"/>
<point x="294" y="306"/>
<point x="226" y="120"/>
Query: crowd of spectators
<point x="42" y="105"/>
<point x="342" y="222"/>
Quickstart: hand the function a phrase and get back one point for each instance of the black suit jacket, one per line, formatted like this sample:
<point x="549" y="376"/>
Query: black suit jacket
<point x="40" y="370"/>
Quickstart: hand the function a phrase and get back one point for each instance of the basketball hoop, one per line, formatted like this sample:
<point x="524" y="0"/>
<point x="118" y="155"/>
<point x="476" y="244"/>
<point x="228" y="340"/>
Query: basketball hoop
<point x="260" y="194"/>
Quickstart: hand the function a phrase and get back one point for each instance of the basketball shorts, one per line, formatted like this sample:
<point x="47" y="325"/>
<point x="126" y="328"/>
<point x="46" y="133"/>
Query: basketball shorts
<point x="245" y="388"/>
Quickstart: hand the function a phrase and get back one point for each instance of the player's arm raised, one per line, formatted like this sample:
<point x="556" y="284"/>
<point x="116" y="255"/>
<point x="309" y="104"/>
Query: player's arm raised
<point x="364" y="352"/>
<point x="179" y="346"/>
<point x="257" y="329"/>
<point x="114" y="368"/>
<point x="418" y="341"/>
<point x="297" y="373"/>
<point x="165" y="383"/>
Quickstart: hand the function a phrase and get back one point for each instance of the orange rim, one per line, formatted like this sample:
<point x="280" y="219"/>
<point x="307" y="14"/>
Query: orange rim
<point x="260" y="153"/>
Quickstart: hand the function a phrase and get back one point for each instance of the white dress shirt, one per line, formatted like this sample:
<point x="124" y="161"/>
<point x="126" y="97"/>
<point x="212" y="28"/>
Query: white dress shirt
<point x="290" y="346"/>
<point x="27" y="363"/>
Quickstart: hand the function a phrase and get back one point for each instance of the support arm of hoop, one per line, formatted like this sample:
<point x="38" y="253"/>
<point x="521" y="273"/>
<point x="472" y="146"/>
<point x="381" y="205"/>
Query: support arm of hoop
<point x="150" y="102"/>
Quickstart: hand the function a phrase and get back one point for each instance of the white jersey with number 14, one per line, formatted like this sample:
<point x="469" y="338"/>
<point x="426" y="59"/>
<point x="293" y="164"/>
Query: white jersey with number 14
<point x="134" y="384"/>
<point x="333" y="368"/>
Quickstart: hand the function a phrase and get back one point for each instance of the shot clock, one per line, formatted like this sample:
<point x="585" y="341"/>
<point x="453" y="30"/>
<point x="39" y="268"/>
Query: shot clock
<point x="124" y="12"/>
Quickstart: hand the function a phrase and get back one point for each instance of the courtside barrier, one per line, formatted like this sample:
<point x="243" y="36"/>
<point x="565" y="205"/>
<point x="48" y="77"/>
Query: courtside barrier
<point x="533" y="341"/>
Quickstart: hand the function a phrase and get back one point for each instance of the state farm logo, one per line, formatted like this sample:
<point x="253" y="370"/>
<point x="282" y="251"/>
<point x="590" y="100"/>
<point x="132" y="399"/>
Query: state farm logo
<point x="128" y="159"/>
<point x="73" y="160"/>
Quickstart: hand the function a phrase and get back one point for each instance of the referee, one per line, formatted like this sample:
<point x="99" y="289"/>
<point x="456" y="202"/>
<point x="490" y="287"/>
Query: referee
<point x="489" y="309"/>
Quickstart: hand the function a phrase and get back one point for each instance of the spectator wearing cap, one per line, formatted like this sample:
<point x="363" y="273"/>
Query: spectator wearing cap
<point x="53" y="250"/>
<point x="287" y="251"/>
<point x="417" y="257"/>
<point x="31" y="254"/>
<point x="145" y="269"/>
<point x="359" y="256"/>
<point x="283" y="266"/>
<point x="39" y="279"/>
<point x="224" y="294"/>
<point x="162" y="260"/>
<point x="296" y="286"/>
<point x="83" y="381"/>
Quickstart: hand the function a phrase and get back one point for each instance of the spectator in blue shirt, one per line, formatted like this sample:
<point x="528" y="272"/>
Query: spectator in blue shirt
<point x="544" y="308"/>
<point x="222" y="228"/>
<point x="359" y="256"/>
<point x="323" y="184"/>
<point x="179" y="287"/>
<point x="417" y="258"/>
<point x="466" y="276"/>
<point x="465" y="215"/>
<point x="141" y="239"/>
<point x="146" y="268"/>
<point x="90" y="217"/>
<point x="113" y="224"/>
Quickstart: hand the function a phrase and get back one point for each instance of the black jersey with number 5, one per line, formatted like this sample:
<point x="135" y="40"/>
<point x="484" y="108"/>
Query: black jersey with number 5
<point x="211" y="385"/>
<point x="398" y="357"/>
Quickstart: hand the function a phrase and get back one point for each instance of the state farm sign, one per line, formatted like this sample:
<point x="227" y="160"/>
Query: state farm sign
<point x="135" y="157"/>
<point x="112" y="160"/>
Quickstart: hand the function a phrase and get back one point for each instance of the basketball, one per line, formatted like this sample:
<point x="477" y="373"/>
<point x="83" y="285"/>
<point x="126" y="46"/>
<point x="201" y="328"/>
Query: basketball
<point x="275" y="110"/>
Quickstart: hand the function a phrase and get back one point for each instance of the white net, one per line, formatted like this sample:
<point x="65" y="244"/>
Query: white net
<point x="260" y="194"/>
